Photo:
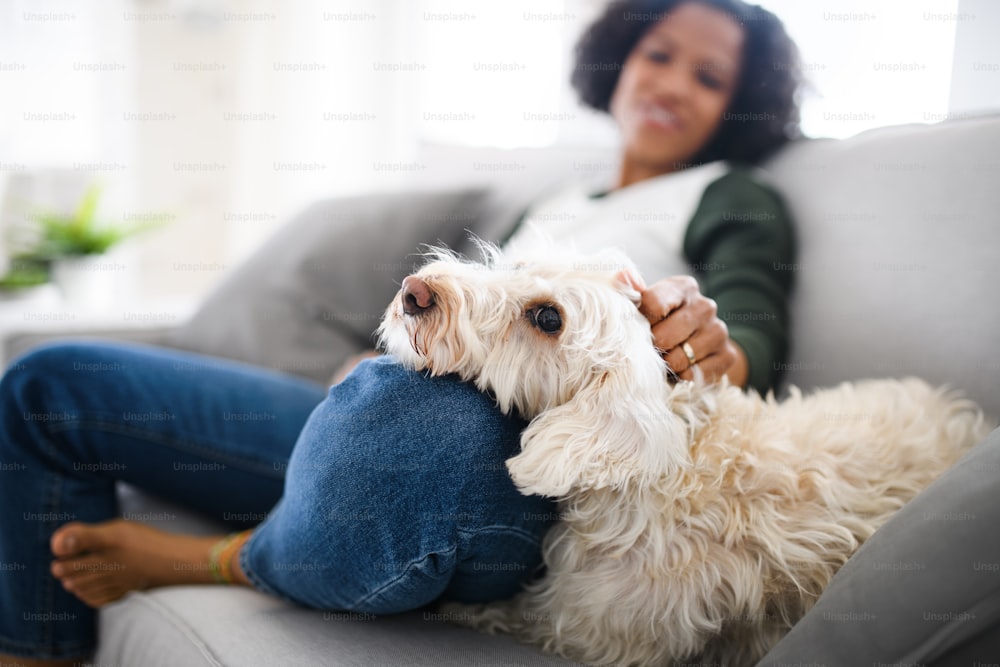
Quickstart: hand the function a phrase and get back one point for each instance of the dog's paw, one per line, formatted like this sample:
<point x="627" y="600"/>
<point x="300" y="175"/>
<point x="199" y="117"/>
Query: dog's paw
<point x="530" y="480"/>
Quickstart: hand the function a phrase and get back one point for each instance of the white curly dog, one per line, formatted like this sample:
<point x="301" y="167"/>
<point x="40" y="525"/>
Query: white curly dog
<point x="697" y="521"/>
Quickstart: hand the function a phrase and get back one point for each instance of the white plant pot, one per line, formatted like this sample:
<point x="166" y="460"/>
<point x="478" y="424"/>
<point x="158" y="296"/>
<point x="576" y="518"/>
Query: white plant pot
<point x="88" y="282"/>
<point x="38" y="294"/>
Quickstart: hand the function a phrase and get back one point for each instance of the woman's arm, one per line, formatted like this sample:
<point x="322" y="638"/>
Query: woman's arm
<point x="741" y="246"/>
<point x="735" y="323"/>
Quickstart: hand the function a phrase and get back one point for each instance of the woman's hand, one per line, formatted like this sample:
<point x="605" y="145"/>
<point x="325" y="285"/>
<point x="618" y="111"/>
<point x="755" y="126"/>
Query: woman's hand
<point x="686" y="326"/>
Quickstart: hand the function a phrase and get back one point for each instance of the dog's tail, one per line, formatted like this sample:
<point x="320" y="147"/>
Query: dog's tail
<point x="965" y="423"/>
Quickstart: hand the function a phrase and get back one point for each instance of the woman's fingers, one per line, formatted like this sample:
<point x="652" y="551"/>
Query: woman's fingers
<point x="698" y="314"/>
<point x="712" y="367"/>
<point x="704" y="344"/>
<point x="666" y="296"/>
<point x="682" y="317"/>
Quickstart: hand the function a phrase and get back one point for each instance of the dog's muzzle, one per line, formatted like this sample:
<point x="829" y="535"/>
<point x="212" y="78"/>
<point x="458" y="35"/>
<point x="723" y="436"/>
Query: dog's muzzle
<point x="417" y="296"/>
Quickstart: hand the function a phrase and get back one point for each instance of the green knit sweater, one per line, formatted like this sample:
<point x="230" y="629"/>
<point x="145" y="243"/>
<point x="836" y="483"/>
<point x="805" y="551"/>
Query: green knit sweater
<point x="741" y="244"/>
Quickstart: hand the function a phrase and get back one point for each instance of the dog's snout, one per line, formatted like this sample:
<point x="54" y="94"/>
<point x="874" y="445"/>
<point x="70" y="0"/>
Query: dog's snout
<point x="417" y="296"/>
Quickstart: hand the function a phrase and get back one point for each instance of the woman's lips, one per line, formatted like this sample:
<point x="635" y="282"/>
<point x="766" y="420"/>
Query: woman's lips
<point x="659" y="117"/>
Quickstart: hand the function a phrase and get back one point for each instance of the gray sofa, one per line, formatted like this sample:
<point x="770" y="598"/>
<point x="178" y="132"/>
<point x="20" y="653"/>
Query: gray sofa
<point x="899" y="237"/>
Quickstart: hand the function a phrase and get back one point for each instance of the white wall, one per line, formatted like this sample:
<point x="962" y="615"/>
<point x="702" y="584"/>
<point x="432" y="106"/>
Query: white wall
<point x="975" y="78"/>
<point x="271" y="107"/>
<point x="230" y="115"/>
<point x="227" y="116"/>
<point x="871" y="63"/>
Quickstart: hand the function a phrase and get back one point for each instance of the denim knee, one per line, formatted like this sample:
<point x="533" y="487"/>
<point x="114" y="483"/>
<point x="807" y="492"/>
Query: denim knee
<point x="27" y="385"/>
<point x="407" y="430"/>
<point x="27" y="375"/>
<point x="391" y="476"/>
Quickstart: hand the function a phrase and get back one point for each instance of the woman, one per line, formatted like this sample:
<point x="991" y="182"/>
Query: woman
<point x="390" y="502"/>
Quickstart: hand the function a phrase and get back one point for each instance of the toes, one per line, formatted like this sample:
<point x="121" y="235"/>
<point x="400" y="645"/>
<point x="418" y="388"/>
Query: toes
<point x="77" y="538"/>
<point x="79" y="571"/>
<point x="95" y="582"/>
<point x="66" y="539"/>
<point x="86" y="569"/>
<point x="72" y="568"/>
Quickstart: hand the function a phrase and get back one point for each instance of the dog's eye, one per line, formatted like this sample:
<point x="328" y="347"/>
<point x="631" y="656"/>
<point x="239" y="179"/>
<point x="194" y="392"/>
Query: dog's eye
<point x="546" y="318"/>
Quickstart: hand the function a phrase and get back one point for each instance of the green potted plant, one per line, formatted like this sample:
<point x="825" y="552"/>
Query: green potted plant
<point x="81" y="233"/>
<point x="23" y="278"/>
<point x="72" y="246"/>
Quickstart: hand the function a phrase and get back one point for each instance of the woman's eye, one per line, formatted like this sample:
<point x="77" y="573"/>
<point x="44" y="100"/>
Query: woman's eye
<point x="657" y="56"/>
<point x="546" y="318"/>
<point x="710" y="81"/>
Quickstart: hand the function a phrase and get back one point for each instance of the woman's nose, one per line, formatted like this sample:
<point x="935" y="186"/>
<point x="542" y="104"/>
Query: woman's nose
<point x="672" y="81"/>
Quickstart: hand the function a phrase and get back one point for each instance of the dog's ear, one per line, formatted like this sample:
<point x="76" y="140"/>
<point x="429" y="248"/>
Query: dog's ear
<point x="630" y="283"/>
<point x="616" y="431"/>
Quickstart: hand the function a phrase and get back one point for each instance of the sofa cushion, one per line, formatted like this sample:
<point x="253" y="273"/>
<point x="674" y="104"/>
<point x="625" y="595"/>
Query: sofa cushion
<point x="203" y="625"/>
<point x="897" y="268"/>
<point x="315" y="292"/>
<point x="213" y="625"/>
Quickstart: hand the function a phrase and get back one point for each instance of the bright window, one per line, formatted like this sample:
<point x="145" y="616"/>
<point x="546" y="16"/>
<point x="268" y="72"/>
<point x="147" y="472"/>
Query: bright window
<point x="497" y="74"/>
<point x="871" y="64"/>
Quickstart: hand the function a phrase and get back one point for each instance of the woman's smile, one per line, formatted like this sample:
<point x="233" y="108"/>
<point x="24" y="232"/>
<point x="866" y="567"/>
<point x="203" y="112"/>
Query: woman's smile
<point x="659" y="117"/>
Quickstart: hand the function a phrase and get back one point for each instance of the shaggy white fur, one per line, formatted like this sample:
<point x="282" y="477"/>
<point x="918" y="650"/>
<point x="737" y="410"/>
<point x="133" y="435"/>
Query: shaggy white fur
<point x="698" y="521"/>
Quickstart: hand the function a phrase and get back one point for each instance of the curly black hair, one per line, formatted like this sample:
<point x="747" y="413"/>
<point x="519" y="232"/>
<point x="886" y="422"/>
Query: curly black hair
<point x="767" y="93"/>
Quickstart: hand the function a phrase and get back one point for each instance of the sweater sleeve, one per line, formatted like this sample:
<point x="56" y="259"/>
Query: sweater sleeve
<point x="741" y="246"/>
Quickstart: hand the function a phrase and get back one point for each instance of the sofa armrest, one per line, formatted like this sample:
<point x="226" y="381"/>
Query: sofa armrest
<point x="15" y="343"/>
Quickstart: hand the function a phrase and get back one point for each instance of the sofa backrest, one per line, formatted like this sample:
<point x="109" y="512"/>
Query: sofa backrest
<point x="899" y="246"/>
<point x="898" y="234"/>
<point x="899" y="256"/>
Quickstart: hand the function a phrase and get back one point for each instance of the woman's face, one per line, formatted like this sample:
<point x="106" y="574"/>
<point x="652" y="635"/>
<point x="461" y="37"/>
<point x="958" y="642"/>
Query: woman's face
<point x="674" y="88"/>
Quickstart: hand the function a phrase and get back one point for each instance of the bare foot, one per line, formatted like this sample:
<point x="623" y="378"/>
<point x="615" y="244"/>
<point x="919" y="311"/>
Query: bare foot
<point x="101" y="562"/>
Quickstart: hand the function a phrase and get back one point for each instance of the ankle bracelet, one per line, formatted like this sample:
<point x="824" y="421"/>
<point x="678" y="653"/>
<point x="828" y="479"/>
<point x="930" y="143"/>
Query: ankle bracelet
<point x="221" y="556"/>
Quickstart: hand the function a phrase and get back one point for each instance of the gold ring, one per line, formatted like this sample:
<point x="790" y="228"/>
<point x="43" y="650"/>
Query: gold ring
<point x="689" y="353"/>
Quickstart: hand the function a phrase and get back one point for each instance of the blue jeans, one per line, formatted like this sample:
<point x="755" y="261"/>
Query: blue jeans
<point x="381" y="496"/>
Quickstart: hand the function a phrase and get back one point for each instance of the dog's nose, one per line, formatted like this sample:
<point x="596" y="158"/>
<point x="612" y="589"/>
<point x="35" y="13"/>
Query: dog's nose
<point x="417" y="296"/>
